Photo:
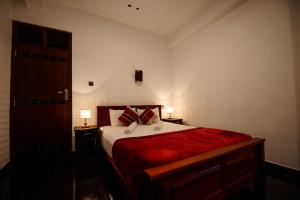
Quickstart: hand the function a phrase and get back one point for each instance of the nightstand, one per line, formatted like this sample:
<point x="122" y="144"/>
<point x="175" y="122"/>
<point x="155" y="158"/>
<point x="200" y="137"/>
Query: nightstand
<point x="173" y="120"/>
<point x="86" y="141"/>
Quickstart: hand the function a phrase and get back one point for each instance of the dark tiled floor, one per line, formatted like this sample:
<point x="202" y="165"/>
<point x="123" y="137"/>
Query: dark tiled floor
<point x="64" y="179"/>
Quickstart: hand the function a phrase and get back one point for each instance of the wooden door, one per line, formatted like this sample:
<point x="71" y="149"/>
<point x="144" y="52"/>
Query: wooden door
<point x="41" y="99"/>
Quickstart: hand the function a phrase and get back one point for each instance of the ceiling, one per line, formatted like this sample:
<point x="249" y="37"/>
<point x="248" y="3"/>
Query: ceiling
<point x="159" y="16"/>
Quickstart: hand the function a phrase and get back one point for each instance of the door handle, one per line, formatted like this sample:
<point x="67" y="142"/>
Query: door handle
<point x="65" y="92"/>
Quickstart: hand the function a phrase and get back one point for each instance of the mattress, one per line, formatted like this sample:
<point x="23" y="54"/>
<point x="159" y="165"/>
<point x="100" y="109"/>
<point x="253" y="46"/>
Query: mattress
<point x="110" y="134"/>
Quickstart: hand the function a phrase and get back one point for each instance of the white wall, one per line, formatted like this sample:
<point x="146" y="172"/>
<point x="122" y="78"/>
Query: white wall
<point x="5" y="49"/>
<point x="240" y="74"/>
<point x="107" y="53"/>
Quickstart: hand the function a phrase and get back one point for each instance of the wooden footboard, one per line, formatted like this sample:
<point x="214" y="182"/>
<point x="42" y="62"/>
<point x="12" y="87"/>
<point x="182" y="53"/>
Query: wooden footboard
<point x="212" y="175"/>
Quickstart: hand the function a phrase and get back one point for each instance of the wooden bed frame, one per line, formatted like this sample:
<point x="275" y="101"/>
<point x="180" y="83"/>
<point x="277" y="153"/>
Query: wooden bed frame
<point x="210" y="176"/>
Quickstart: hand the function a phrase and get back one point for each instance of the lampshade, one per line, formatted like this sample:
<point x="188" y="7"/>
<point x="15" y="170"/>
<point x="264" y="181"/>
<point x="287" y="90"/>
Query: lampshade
<point x="85" y="114"/>
<point x="169" y="109"/>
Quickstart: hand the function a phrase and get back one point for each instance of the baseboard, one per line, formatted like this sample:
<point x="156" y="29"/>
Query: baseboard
<point x="5" y="170"/>
<point x="282" y="173"/>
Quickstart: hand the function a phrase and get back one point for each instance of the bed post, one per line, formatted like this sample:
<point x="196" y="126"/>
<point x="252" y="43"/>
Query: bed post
<point x="260" y="179"/>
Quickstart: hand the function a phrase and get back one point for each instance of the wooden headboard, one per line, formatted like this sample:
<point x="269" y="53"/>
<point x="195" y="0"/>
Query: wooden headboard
<point x="103" y="118"/>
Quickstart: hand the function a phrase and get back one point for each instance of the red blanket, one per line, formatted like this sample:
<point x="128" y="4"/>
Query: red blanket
<point x="133" y="155"/>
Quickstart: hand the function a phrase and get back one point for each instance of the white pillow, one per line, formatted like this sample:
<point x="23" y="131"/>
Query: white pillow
<point x="155" y="110"/>
<point x="114" y="117"/>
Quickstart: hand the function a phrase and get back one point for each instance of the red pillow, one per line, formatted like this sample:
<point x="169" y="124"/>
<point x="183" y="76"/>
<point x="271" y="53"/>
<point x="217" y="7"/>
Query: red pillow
<point x="128" y="116"/>
<point x="148" y="116"/>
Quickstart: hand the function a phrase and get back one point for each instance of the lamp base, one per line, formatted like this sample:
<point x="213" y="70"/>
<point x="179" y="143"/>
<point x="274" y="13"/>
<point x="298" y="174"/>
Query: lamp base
<point x="85" y="124"/>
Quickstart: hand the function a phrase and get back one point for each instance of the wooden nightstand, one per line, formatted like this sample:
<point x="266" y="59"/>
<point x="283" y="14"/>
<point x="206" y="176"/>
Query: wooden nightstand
<point x="86" y="141"/>
<point x="173" y="120"/>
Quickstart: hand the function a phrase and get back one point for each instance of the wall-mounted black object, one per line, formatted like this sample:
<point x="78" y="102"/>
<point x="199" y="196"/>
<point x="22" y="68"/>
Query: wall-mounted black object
<point x="139" y="75"/>
<point x="91" y="83"/>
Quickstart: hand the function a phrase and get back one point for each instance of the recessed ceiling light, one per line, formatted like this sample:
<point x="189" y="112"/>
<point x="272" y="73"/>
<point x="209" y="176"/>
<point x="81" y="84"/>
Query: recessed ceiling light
<point x="130" y="5"/>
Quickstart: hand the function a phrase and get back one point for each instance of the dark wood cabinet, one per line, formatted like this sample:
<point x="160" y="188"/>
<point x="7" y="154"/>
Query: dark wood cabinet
<point x="41" y="87"/>
<point x="86" y="141"/>
<point x="173" y="120"/>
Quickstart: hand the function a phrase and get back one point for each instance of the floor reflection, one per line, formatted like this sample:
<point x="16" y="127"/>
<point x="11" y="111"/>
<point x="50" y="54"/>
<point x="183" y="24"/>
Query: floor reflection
<point x="63" y="178"/>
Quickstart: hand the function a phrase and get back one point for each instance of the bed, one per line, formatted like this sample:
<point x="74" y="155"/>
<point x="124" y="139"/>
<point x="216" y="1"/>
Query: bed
<point x="214" y="174"/>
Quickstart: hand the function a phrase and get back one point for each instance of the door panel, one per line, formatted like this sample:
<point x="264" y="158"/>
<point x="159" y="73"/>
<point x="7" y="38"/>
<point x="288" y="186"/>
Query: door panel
<point x="41" y="83"/>
<point x="32" y="81"/>
<point x="58" y="77"/>
<point x="41" y="79"/>
<point x="41" y="124"/>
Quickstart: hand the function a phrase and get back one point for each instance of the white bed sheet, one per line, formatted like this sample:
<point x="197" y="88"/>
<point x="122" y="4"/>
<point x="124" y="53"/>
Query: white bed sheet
<point x="112" y="133"/>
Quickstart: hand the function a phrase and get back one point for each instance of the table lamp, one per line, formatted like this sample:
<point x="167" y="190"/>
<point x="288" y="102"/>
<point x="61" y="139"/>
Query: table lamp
<point x="85" y="114"/>
<point x="169" y="110"/>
